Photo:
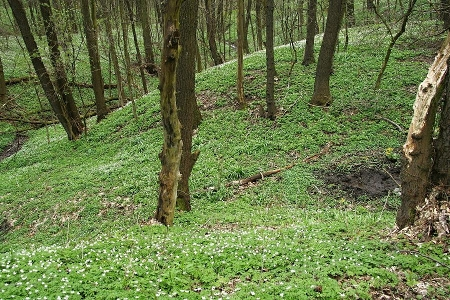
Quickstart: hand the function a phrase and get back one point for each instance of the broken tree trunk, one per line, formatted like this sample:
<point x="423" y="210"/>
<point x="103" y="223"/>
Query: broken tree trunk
<point x="417" y="150"/>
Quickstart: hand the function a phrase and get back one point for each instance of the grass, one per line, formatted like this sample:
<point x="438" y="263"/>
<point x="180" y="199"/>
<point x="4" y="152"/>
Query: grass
<point x="80" y="211"/>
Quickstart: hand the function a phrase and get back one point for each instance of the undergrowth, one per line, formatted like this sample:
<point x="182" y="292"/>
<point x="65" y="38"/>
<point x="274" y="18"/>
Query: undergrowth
<point x="76" y="216"/>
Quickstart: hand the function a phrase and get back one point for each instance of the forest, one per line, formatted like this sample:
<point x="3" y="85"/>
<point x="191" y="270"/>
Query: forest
<point x="217" y="149"/>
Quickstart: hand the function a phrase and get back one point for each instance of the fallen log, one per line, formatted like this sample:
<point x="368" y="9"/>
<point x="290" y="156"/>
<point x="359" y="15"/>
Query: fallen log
<point x="256" y="177"/>
<point x="18" y="80"/>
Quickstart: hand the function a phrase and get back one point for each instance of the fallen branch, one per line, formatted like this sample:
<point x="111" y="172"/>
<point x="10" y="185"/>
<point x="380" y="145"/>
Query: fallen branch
<point x="322" y="152"/>
<point x="17" y="80"/>
<point x="400" y="128"/>
<point x="257" y="177"/>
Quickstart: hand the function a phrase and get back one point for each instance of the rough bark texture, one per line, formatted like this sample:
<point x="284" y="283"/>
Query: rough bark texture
<point x="211" y="31"/>
<point x="62" y="85"/>
<point x="39" y="67"/>
<point x="417" y="150"/>
<point x="188" y="111"/>
<point x="94" y="58"/>
<point x="270" y="62"/>
<point x="308" y="57"/>
<point x="240" y="55"/>
<point x="170" y="155"/>
<point x="322" y="93"/>
<point x="2" y="84"/>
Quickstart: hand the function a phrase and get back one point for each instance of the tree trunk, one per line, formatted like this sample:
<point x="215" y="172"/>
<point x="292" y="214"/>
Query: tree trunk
<point x="149" y="56"/>
<point x="3" y="91"/>
<point x="240" y="55"/>
<point x="445" y="13"/>
<point x="189" y="113"/>
<point x="62" y="84"/>
<point x="351" y="20"/>
<point x="417" y="150"/>
<point x="18" y="11"/>
<point x="136" y="45"/>
<point x="170" y="155"/>
<point x="113" y="53"/>
<point x="90" y="31"/>
<point x="246" y="24"/>
<point x="270" y="62"/>
<point x="259" y="30"/>
<point x="308" y="57"/>
<point x="440" y="174"/>
<point x="211" y="31"/>
<point x="322" y="94"/>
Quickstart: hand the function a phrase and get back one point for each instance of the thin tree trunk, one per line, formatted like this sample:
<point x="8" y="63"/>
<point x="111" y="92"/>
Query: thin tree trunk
<point x="62" y="83"/>
<point x="308" y="57"/>
<point x="170" y="155"/>
<point x="90" y="31"/>
<point x="350" y="11"/>
<point x="240" y="55"/>
<point x="18" y="11"/>
<point x="3" y="91"/>
<point x="189" y="113"/>
<point x="149" y="56"/>
<point x="113" y="53"/>
<point x="259" y="30"/>
<point x="127" y="57"/>
<point x="322" y="93"/>
<point x="270" y="62"/>
<point x="211" y="31"/>
<point x="136" y="45"/>
<point x="246" y="24"/>
<point x="393" y="39"/>
<point x="417" y="150"/>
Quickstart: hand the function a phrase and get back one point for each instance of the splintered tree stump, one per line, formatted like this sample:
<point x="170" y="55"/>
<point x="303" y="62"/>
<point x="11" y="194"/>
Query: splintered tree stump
<point x="418" y="149"/>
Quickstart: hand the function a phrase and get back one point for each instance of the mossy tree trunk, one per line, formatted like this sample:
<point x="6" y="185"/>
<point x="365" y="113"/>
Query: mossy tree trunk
<point x="418" y="149"/>
<point x="308" y="57"/>
<point x="270" y="62"/>
<point x="322" y="93"/>
<point x="170" y="155"/>
<point x="188" y="111"/>
<point x="90" y="31"/>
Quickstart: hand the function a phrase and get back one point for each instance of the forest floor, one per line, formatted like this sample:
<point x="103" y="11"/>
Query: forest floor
<point x="76" y="216"/>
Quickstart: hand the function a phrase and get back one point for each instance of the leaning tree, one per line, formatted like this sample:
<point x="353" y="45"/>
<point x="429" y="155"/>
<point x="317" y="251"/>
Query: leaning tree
<point x="425" y="174"/>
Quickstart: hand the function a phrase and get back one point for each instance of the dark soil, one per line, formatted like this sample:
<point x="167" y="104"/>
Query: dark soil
<point x="369" y="182"/>
<point x="13" y="147"/>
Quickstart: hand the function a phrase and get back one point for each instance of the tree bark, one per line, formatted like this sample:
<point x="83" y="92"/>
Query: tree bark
<point x="259" y="30"/>
<point x="56" y="103"/>
<point x="170" y="155"/>
<point x="240" y="55"/>
<point x="62" y="84"/>
<point x="113" y="53"/>
<point x="136" y="45"/>
<point x="417" y="150"/>
<point x="322" y="93"/>
<point x="270" y="62"/>
<point x="3" y="91"/>
<point x="90" y="31"/>
<point x="308" y="57"/>
<point x="189" y="113"/>
<point x="248" y="16"/>
<point x="211" y="31"/>
<point x="149" y="56"/>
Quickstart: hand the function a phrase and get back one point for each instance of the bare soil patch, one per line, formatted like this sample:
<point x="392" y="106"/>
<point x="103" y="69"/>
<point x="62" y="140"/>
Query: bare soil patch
<point x="369" y="182"/>
<point x="13" y="147"/>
